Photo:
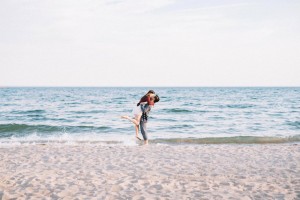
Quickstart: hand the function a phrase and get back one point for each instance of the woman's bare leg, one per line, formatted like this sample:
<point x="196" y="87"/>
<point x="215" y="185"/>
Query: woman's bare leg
<point x="137" y="131"/>
<point x="136" y="120"/>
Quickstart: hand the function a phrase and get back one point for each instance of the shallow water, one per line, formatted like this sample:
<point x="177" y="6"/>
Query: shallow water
<point x="92" y="115"/>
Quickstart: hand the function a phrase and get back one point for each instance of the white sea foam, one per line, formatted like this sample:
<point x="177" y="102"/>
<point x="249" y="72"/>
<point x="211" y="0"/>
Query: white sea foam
<point x="70" y="139"/>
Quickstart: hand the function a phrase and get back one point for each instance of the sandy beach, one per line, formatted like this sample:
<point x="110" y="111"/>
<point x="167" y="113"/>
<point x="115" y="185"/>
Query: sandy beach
<point x="150" y="172"/>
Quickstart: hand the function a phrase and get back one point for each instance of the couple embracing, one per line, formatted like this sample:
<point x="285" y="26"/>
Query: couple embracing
<point x="141" y="112"/>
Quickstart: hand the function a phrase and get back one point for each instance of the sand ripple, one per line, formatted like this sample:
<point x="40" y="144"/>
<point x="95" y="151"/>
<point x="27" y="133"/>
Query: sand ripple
<point x="151" y="172"/>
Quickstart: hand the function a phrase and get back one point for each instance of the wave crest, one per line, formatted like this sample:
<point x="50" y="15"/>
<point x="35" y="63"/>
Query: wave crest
<point x="7" y="129"/>
<point x="231" y="140"/>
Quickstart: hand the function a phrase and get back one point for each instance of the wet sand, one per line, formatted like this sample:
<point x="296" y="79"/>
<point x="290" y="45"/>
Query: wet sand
<point x="269" y="171"/>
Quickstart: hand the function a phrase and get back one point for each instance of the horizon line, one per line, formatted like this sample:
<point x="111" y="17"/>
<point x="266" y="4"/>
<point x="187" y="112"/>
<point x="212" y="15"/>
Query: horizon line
<point x="128" y="86"/>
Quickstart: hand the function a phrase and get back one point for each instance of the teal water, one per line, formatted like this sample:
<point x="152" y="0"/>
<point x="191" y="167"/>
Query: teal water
<point x="183" y="115"/>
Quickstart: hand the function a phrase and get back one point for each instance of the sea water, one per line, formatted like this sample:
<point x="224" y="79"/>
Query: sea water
<point x="82" y="115"/>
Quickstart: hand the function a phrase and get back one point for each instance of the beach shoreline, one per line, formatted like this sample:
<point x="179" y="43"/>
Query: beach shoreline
<point x="216" y="171"/>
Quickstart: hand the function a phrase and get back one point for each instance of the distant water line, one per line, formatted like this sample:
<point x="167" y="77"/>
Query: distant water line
<point x="191" y="115"/>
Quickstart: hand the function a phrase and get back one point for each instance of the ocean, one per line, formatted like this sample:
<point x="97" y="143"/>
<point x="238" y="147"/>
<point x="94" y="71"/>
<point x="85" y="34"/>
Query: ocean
<point x="190" y="115"/>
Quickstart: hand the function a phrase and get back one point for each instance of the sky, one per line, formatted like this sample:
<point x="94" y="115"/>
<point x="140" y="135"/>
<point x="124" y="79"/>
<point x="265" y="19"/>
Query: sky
<point x="149" y="43"/>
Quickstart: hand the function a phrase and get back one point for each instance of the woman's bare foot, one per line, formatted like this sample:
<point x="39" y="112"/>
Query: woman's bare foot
<point x="125" y="117"/>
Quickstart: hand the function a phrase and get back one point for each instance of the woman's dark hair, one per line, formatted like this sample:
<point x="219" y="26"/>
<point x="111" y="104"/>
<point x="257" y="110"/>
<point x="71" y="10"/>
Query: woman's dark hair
<point x="151" y="92"/>
<point x="156" y="99"/>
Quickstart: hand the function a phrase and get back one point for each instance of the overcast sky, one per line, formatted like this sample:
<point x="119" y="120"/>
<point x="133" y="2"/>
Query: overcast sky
<point x="149" y="43"/>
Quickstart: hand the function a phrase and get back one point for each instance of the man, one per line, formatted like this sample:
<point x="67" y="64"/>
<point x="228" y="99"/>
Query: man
<point x="146" y="108"/>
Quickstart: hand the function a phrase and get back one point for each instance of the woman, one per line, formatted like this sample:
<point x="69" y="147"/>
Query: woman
<point x="148" y="100"/>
